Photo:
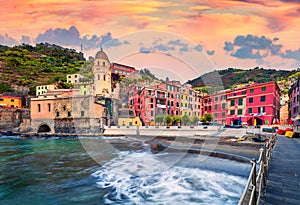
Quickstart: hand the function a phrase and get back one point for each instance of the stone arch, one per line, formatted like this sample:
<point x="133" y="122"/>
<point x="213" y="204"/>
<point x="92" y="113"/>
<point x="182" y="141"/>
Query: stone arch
<point x="44" y="128"/>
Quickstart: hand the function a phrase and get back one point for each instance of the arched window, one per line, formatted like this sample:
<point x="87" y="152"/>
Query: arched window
<point x="98" y="63"/>
<point x="98" y="77"/>
<point x="103" y="64"/>
<point x="104" y="76"/>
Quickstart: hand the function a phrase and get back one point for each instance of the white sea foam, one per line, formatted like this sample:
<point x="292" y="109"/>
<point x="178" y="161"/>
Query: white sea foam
<point x="141" y="178"/>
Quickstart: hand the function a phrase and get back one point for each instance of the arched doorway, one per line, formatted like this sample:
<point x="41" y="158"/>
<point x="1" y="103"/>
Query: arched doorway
<point x="44" y="128"/>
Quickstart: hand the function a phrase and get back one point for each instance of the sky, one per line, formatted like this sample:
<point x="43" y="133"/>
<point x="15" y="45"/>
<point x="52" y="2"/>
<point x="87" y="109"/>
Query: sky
<point x="230" y="33"/>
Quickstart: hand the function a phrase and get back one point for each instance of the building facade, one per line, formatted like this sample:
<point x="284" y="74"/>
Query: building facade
<point x="125" y="70"/>
<point x="10" y="101"/>
<point x="42" y="89"/>
<point x="258" y="103"/>
<point x="294" y="101"/>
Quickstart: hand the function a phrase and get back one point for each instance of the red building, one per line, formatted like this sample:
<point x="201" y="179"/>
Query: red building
<point x="258" y="102"/>
<point x="128" y="71"/>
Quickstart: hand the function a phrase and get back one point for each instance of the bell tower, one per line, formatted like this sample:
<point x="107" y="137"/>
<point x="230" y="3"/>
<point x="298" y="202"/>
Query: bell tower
<point x="102" y="75"/>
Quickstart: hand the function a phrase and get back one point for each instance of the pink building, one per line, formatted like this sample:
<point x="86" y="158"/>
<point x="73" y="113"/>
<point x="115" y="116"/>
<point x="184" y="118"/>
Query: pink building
<point x="172" y="89"/>
<point x="218" y="107"/>
<point x="258" y="102"/>
<point x="294" y="93"/>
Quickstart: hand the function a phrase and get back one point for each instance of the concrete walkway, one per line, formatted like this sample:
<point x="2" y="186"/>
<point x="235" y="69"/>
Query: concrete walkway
<point x="284" y="173"/>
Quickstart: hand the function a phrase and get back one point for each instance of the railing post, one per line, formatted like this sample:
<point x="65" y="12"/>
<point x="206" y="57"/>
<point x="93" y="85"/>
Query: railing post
<point x="254" y="182"/>
<point x="264" y="164"/>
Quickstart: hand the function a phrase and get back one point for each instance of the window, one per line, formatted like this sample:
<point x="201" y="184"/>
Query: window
<point x="232" y="112"/>
<point x="75" y="76"/>
<point x="1" y="99"/>
<point x="240" y="101"/>
<point x="240" y="112"/>
<point x="98" y="77"/>
<point x="216" y="107"/>
<point x="84" y="92"/>
<point x="263" y="88"/>
<point x="49" y="107"/>
<point x="64" y="108"/>
<point x="151" y="105"/>
<point x="12" y="106"/>
<point x="12" y="100"/>
<point x="234" y="94"/>
<point x="82" y="113"/>
<point x="251" y="90"/>
<point x="39" y="107"/>
<point x="151" y="100"/>
<point x="223" y="114"/>
<point x="262" y="98"/>
<point x="216" y="98"/>
<point x="216" y="115"/>
<point x="244" y="93"/>
<point x="250" y="100"/>
<point x="232" y="103"/>
<point x="69" y="76"/>
<point x="223" y="106"/>
<point x="57" y="114"/>
<point x="149" y="92"/>
<point x="250" y="110"/>
<point x="103" y="64"/>
<point x="104" y="77"/>
<point x="69" y="113"/>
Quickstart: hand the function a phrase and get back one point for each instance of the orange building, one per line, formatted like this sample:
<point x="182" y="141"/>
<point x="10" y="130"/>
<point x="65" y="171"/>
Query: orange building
<point x="10" y="101"/>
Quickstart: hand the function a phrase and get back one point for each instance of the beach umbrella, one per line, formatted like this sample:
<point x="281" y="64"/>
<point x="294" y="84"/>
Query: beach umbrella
<point x="254" y="123"/>
<point x="266" y="122"/>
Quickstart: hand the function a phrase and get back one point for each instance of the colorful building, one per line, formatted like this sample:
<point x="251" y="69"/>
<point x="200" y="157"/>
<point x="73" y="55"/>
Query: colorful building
<point x="258" y="103"/>
<point x="218" y="107"/>
<point x="42" y="89"/>
<point x="10" y="101"/>
<point x="127" y="117"/>
<point x="294" y="101"/>
<point x="127" y="71"/>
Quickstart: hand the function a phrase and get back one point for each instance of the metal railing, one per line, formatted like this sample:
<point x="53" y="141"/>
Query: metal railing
<point x="256" y="182"/>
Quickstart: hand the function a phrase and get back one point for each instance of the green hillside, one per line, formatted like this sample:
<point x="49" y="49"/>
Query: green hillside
<point x="233" y="76"/>
<point x="28" y="66"/>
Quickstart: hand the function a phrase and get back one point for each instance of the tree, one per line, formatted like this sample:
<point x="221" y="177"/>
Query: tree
<point x="195" y="119"/>
<point x="177" y="119"/>
<point x="159" y="119"/>
<point x="168" y="120"/>
<point x="185" y="119"/>
<point x="207" y="118"/>
<point x="5" y="88"/>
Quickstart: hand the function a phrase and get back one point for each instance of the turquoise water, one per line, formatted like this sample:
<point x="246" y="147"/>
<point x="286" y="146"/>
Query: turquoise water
<point x="59" y="171"/>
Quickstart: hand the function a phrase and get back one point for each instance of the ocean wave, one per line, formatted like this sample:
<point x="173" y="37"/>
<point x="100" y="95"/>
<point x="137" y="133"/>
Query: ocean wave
<point x="142" y="178"/>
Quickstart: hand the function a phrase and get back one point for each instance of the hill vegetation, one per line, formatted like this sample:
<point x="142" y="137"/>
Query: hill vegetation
<point x="232" y="76"/>
<point x="28" y="66"/>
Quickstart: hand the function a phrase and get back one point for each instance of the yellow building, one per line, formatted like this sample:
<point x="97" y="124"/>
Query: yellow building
<point x="184" y="96"/>
<point x="128" y="118"/>
<point x="10" y="101"/>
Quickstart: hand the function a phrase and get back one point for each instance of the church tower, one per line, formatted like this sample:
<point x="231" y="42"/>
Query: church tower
<point x="102" y="75"/>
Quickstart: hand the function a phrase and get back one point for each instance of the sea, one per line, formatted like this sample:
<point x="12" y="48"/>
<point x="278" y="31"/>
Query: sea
<point x="119" y="170"/>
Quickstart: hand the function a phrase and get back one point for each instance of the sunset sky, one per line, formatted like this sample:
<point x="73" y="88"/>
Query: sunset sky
<point x="233" y="33"/>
